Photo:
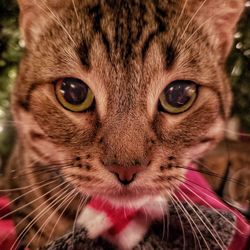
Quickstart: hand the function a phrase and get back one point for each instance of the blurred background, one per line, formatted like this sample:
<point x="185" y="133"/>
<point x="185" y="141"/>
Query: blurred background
<point x="238" y="68"/>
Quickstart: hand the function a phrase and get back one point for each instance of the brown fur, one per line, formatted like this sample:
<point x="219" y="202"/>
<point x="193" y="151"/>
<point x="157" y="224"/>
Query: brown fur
<point x="127" y="52"/>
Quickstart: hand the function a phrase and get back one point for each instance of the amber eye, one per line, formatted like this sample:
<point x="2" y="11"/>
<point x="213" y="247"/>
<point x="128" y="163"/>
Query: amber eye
<point x="178" y="96"/>
<point x="74" y="94"/>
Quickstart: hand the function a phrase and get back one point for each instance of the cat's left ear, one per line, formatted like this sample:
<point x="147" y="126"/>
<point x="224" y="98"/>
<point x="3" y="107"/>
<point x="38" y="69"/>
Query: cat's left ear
<point x="220" y="17"/>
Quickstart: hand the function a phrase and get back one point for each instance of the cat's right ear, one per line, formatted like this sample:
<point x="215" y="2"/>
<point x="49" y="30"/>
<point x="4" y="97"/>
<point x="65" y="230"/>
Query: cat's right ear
<point x="35" y="14"/>
<point x="220" y="18"/>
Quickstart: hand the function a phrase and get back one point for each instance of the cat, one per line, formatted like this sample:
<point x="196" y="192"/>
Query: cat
<point x="113" y="99"/>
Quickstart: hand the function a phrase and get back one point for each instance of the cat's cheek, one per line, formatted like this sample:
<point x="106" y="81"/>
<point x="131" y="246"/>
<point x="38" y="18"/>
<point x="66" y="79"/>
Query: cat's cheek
<point x="214" y="135"/>
<point x="60" y="125"/>
<point x="34" y="139"/>
<point x="28" y="129"/>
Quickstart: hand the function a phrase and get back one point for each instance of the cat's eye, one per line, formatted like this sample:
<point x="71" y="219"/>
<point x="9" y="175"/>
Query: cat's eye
<point x="178" y="96"/>
<point x="74" y="94"/>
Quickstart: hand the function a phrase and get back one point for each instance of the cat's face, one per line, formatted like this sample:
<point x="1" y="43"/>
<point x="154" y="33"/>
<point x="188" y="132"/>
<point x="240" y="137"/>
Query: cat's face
<point x="155" y="70"/>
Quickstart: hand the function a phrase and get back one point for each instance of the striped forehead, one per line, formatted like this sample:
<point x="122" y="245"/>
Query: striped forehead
<point x="128" y="28"/>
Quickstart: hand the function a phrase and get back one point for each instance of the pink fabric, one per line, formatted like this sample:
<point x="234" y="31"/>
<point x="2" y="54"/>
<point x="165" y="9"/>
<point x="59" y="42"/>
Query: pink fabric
<point x="118" y="216"/>
<point x="7" y="228"/>
<point x="200" y="192"/>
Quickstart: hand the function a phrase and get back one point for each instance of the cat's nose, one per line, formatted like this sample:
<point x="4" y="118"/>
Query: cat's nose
<point x="125" y="175"/>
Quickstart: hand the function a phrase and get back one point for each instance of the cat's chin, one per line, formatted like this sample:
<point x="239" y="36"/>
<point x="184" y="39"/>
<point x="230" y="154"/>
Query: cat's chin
<point x="128" y="201"/>
<point x="131" y="201"/>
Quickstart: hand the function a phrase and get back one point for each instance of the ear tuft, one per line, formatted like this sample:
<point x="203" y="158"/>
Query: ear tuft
<point x="221" y="17"/>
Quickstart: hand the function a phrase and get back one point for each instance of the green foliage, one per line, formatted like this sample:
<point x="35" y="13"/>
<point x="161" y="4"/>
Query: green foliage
<point x="239" y="68"/>
<point x="10" y="53"/>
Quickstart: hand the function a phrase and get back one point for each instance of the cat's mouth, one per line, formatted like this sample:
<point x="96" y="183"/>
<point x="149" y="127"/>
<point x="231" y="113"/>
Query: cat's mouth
<point x="129" y="196"/>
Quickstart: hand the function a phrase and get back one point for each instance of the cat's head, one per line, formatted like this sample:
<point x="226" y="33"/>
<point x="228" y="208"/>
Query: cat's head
<point x="123" y="94"/>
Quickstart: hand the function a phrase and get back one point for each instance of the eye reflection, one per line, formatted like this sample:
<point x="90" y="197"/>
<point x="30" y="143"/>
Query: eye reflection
<point x="73" y="94"/>
<point x="178" y="96"/>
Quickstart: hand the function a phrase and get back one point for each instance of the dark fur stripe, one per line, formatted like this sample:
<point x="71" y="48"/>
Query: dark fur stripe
<point x="147" y="44"/>
<point x="160" y="17"/>
<point x="170" y="56"/>
<point x="96" y="14"/>
<point x="83" y="52"/>
<point x="25" y="103"/>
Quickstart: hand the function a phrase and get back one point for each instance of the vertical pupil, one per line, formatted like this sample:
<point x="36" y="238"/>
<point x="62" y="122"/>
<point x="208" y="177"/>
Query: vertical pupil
<point x="179" y="94"/>
<point x="74" y="91"/>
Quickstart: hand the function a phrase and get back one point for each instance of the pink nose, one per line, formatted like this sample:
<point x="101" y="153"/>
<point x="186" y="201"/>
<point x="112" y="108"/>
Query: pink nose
<point x="125" y="175"/>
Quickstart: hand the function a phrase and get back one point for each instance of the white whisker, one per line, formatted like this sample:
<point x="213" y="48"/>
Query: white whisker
<point x="204" y="240"/>
<point x="27" y="204"/>
<point x="74" y="5"/>
<point x="190" y="221"/>
<point x="196" y="30"/>
<point x="182" y="12"/>
<point x="23" y="233"/>
<point x="182" y="227"/>
<point x="55" y="18"/>
<point x="192" y="18"/>
<point x="216" y="210"/>
<point x="189" y="202"/>
<point x="67" y="198"/>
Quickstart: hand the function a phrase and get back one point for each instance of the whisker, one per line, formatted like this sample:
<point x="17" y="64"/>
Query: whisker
<point x="55" y="18"/>
<point x="193" y="183"/>
<point x="80" y="206"/>
<point x="42" y="227"/>
<point x="39" y="215"/>
<point x="67" y="198"/>
<point x="29" y="214"/>
<point x="182" y="226"/>
<point x="237" y="133"/>
<point x="163" y="222"/>
<point x="24" y="187"/>
<point x="192" y="18"/>
<point x="53" y="166"/>
<point x="199" y="27"/>
<point x="210" y="173"/>
<point x="168" y="223"/>
<point x="67" y="163"/>
<point x="45" y="169"/>
<point x="182" y="12"/>
<point x="216" y="210"/>
<point x="74" y="5"/>
<point x="27" y="204"/>
<point x="204" y="240"/>
<point x="30" y="191"/>
<point x="144" y="211"/>
<point x="189" y="219"/>
<point x="59" y="218"/>
<point x="189" y="202"/>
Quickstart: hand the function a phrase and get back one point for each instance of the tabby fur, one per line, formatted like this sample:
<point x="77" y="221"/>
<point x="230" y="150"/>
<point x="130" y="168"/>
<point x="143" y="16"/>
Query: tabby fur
<point x="127" y="51"/>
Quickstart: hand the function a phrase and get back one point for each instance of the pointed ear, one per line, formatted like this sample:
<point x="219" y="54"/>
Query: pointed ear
<point x="220" y="18"/>
<point x="35" y="14"/>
